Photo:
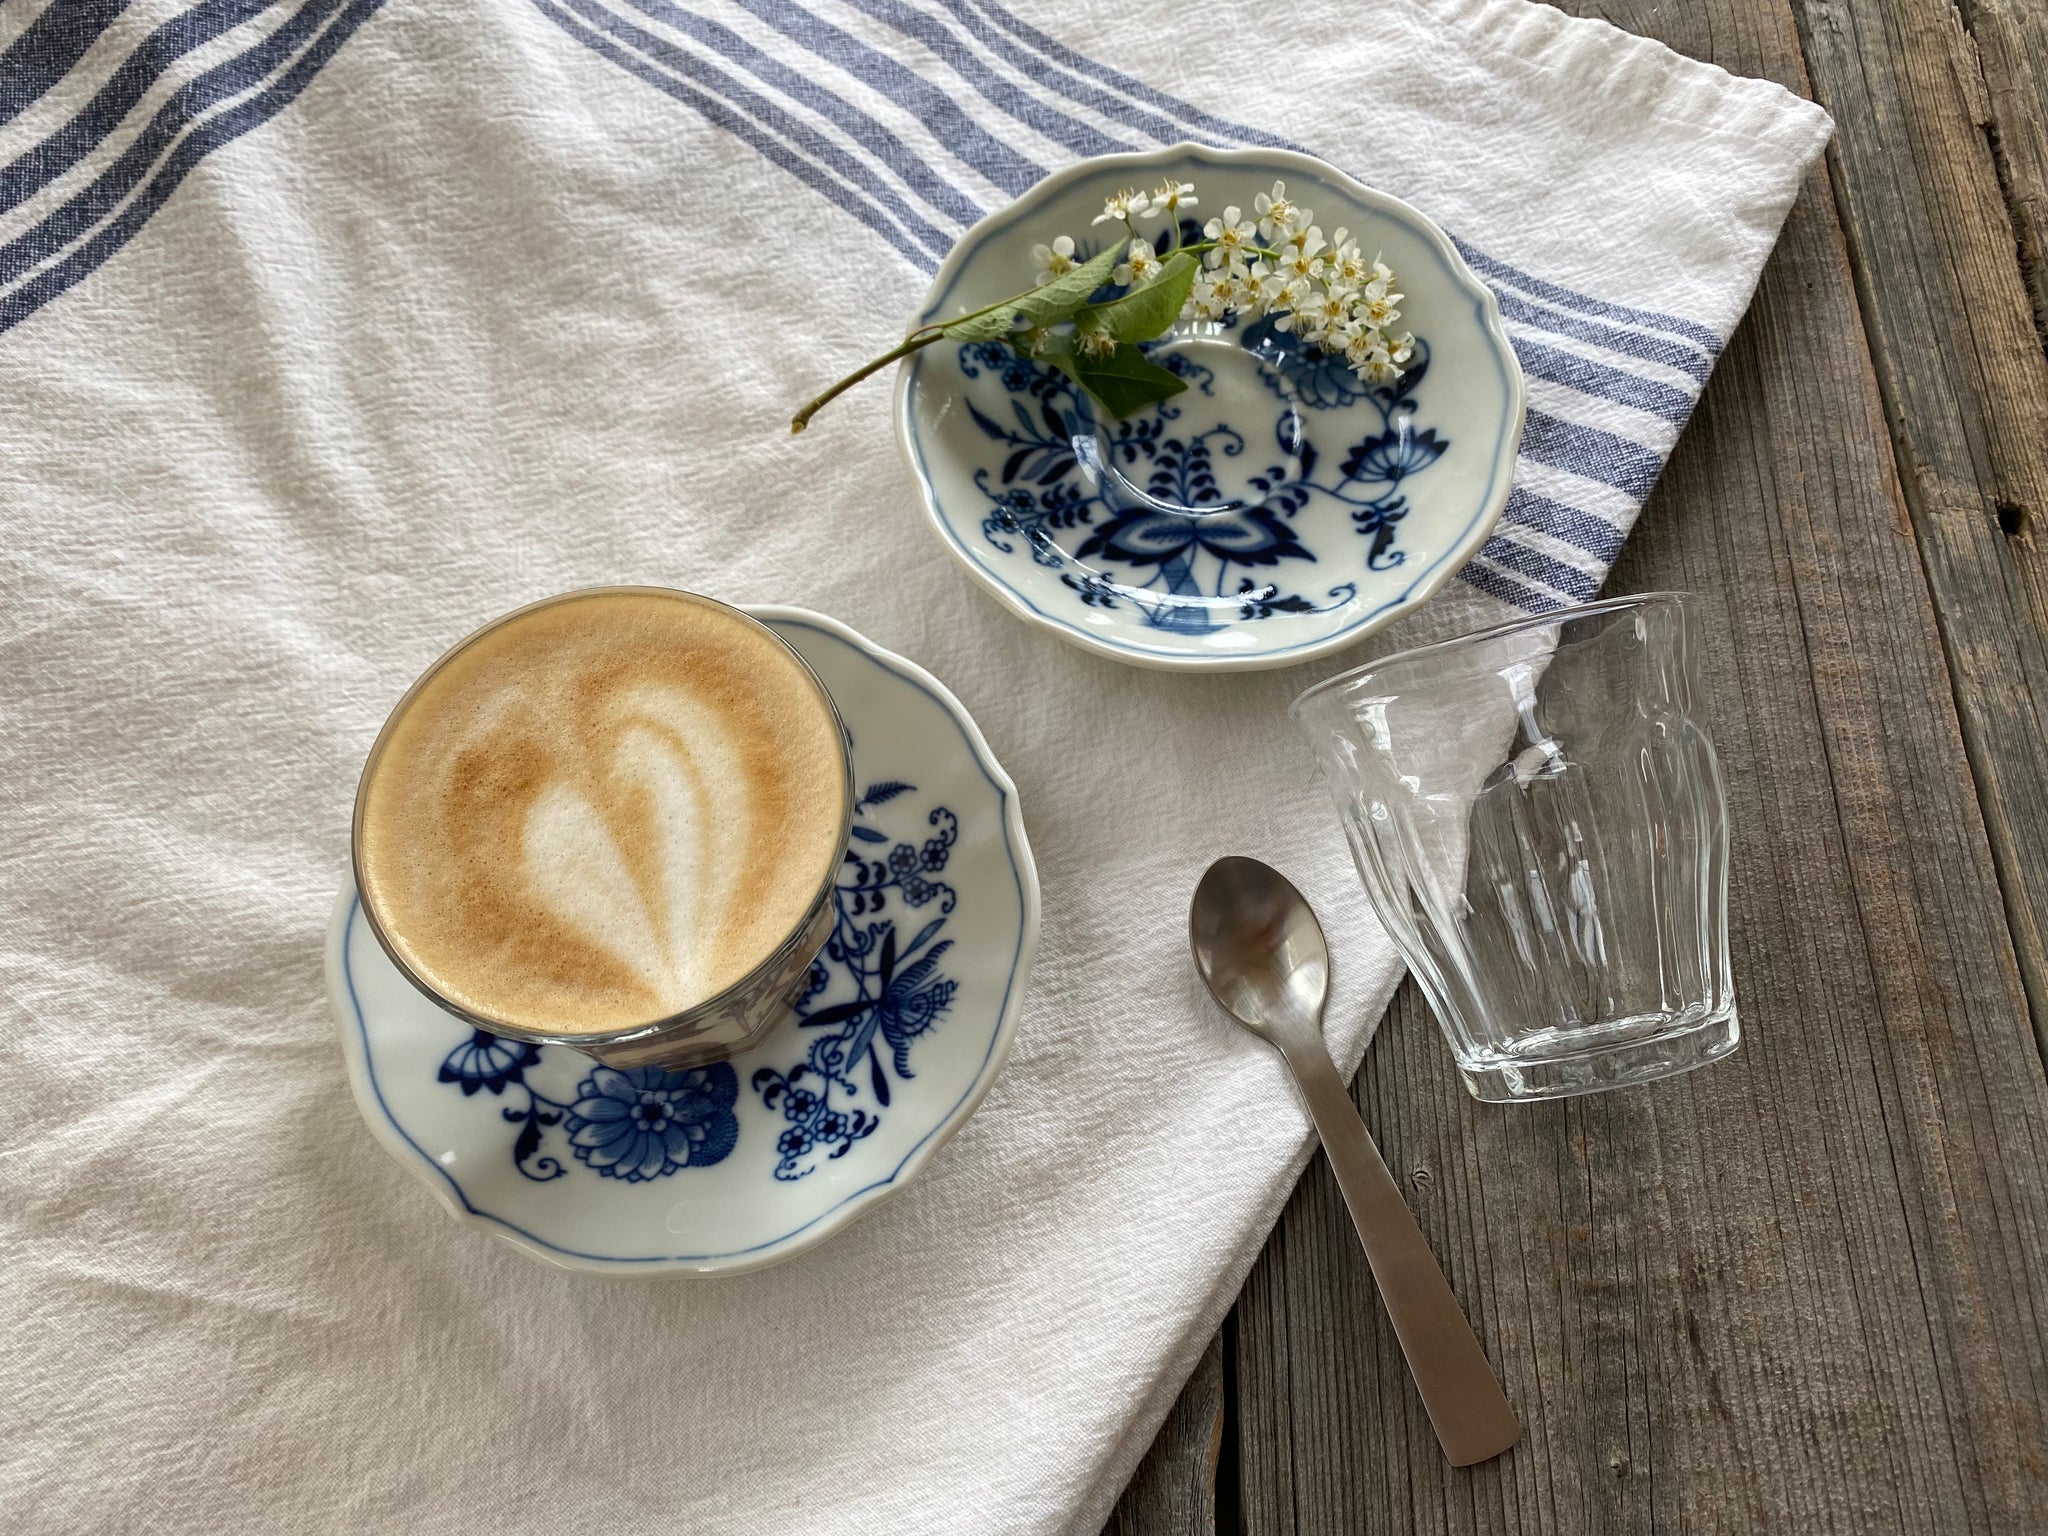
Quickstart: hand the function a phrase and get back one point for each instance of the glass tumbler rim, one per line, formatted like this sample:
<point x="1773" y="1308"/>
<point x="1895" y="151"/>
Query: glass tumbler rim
<point x="1350" y="679"/>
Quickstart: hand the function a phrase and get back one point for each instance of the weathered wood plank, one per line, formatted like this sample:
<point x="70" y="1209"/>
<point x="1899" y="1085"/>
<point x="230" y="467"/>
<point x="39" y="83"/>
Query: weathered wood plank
<point x="1173" y="1492"/>
<point x="1964" y="380"/>
<point x="2012" y="47"/>
<point x="1803" y="1290"/>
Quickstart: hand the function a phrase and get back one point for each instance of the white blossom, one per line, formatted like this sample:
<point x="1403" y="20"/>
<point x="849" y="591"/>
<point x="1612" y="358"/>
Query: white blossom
<point x="1140" y="265"/>
<point x="1055" y="260"/>
<point x="1204" y="302"/>
<point x="1288" y="304"/>
<point x="1274" y="265"/>
<point x="1233" y="235"/>
<point x="1258" y="288"/>
<point x="1124" y="206"/>
<point x="1299" y="262"/>
<point x="1377" y="305"/>
<point x="1369" y="359"/>
<point x="1347" y="263"/>
<point x="1278" y="218"/>
<point x="1326" y="313"/>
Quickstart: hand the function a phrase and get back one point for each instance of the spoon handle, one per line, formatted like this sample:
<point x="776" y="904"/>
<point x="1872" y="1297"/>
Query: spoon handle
<point x="1466" y="1406"/>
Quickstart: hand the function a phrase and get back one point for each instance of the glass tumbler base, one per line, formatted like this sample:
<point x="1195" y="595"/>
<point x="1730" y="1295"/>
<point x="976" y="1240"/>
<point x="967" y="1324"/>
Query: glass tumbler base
<point x="1690" y="1043"/>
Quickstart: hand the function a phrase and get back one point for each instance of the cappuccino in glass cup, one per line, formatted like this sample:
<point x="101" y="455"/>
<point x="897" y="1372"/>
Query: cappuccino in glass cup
<point x="610" y="820"/>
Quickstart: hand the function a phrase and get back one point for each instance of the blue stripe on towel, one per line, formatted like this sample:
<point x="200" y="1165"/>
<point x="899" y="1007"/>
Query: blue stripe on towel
<point x="870" y="135"/>
<point x="1114" y="105"/>
<point x="48" y="48"/>
<point x="223" y="128"/>
<point x="1569" y="298"/>
<point x="1651" y="349"/>
<point x="1185" y="113"/>
<point x="717" y="112"/>
<point x="1590" y="452"/>
<point x="1488" y="579"/>
<point x="1591" y="378"/>
<point x="666" y="57"/>
<point x="78" y="218"/>
<point x="1041" y="117"/>
<point x="1505" y="551"/>
<point x="117" y="98"/>
<point x="1569" y="525"/>
<point x="963" y="137"/>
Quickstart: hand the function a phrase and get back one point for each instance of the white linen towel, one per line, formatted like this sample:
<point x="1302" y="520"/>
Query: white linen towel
<point x="331" y="328"/>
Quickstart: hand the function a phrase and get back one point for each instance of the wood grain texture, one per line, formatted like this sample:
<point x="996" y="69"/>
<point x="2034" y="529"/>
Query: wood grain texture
<point x="1931" y="238"/>
<point x="1173" y="1492"/>
<point x="2012" y="49"/>
<point x="1803" y="1290"/>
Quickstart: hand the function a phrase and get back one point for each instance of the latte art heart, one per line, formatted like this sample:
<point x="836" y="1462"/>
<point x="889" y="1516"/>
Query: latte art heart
<point x="684" y="807"/>
<point x="602" y="811"/>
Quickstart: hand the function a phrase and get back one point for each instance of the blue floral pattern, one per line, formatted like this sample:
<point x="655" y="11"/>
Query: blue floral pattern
<point x="635" y="1125"/>
<point x="646" y="1123"/>
<point x="871" y="995"/>
<point x="1145" y="519"/>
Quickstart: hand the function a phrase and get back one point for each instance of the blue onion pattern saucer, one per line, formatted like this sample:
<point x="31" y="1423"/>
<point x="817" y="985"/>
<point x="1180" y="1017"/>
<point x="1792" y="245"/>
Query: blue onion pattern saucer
<point x="739" y="1164"/>
<point x="1278" y="509"/>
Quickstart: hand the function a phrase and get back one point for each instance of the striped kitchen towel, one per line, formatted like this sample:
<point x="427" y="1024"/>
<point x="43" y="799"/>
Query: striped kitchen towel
<point x="330" y="328"/>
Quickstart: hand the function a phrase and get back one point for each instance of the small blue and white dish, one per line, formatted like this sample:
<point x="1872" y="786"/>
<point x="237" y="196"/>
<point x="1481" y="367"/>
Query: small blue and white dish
<point x="735" y="1165"/>
<point x="1277" y="510"/>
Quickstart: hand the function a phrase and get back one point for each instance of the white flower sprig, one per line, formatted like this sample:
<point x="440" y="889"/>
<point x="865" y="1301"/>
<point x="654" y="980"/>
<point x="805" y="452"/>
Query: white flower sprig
<point x="1324" y="292"/>
<point x="1274" y="264"/>
<point x="1271" y="265"/>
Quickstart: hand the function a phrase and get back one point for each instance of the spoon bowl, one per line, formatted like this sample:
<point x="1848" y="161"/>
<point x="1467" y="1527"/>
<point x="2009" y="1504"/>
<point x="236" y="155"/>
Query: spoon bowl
<point x="1259" y="948"/>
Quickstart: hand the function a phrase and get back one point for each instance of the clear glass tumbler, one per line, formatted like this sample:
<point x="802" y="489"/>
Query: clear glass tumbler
<point x="1538" y="817"/>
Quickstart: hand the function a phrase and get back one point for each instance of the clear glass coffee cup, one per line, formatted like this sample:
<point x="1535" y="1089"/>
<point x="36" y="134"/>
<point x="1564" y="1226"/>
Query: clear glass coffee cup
<point x="1537" y="814"/>
<point x="725" y="1023"/>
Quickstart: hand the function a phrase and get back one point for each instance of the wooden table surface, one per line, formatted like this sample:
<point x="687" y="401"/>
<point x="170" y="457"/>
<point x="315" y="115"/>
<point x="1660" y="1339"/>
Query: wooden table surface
<point x="1805" y="1290"/>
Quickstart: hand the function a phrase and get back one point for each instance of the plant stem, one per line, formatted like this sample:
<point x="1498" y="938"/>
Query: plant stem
<point x="923" y="337"/>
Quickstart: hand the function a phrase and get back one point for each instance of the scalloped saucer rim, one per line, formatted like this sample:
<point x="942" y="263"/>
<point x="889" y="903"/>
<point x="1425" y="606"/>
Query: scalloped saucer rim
<point x="1286" y="163"/>
<point x="386" y="1131"/>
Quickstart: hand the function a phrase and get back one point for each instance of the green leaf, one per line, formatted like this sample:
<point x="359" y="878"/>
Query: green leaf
<point x="1126" y="380"/>
<point x="1059" y="350"/>
<point x="1047" y="304"/>
<point x="1123" y="382"/>
<point x="1145" y="312"/>
<point x="989" y="325"/>
<point x="1057" y="300"/>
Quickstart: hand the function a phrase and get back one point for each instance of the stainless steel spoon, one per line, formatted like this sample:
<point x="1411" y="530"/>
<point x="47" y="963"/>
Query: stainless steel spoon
<point x="1262" y="953"/>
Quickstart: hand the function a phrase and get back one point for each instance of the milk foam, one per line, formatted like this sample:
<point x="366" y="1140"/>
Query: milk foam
<point x="602" y="812"/>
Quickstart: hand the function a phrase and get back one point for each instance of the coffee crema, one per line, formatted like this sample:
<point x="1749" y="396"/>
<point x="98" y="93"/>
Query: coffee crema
<point x="601" y="811"/>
